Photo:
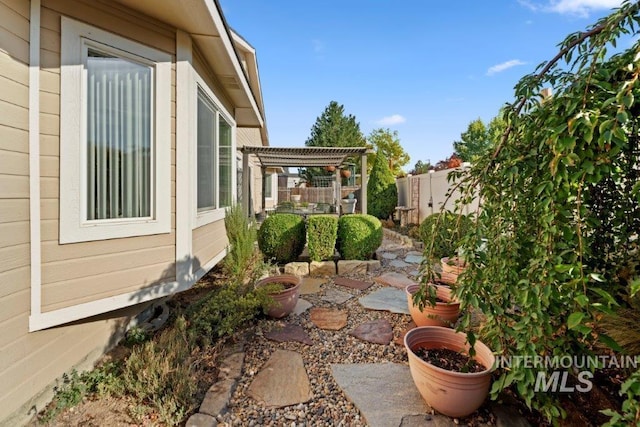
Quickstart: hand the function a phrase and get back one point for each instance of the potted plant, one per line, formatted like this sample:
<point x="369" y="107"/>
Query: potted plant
<point x="461" y="383"/>
<point x="451" y="269"/>
<point x="283" y="289"/>
<point x="349" y="204"/>
<point x="440" y="310"/>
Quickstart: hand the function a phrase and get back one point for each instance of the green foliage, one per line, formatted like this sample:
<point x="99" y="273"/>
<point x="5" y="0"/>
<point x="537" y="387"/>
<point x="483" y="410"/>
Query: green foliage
<point x="479" y="139"/>
<point x="136" y="335"/>
<point x="333" y="128"/>
<point x="104" y="380"/>
<point x="358" y="236"/>
<point x="559" y="209"/>
<point x="282" y="237"/>
<point x="630" y="415"/>
<point x="224" y="311"/>
<point x="421" y="167"/>
<point x="243" y="259"/>
<point x="381" y="189"/>
<point x="162" y="374"/>
<point x="387" y="142"/>
<point x="321" y="235"/>
<point x="441" y="234"/>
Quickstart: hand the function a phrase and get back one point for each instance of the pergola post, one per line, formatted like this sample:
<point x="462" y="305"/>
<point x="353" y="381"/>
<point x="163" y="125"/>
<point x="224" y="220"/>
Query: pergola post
<point x="364" y="179"/>
<point x="246" y="173"/>
<point x="264" y="188"/>
<point x="338" y="191"/>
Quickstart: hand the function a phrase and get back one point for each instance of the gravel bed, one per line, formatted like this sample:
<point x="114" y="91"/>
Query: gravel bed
<point x="329" y="405"/>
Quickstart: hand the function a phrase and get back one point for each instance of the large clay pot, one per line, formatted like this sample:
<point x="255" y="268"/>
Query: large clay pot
<point x="453" y="265"/>
<point x="455" y="394"/>
<point x="443" y="314"/>
<point x="284" y="301"/>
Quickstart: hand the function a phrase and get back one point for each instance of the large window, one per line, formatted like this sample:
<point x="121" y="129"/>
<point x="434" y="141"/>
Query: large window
<point x="215" y="158"/>
<point x="114" y="136"/>
<point x="268" y="186"/>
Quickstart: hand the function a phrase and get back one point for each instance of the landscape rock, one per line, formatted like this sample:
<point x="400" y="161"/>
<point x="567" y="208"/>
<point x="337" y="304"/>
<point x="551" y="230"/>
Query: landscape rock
<point x="328" y="318"/>
<point x="299" y="269"/>
<point x="373" y="265"/>
<point x="396" y="263"/>
<point x="322" y="268"/>
<point x="377" y="331"/>
<point x="427" y="421"/>
<point x="301" y="306"/>
<point x="352" y="267"/>
<point x="217" y="398"/>
<point x="282" y="381"/>
<point x="389" y="255"/>
<point x="413" y="258"/>
<point x="231" y="366"/>
<point x="201" y="420"/>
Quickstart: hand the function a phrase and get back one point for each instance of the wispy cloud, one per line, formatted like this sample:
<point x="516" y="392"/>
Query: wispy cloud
<point x="498" y="68"/>
<point x="394" y="119"/>
<point x="582" y="8"/>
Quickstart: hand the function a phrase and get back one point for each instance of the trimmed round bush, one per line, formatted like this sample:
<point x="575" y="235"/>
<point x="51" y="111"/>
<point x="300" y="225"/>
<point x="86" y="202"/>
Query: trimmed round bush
<point x="358" y="236"/>
<point x="321" y="236"/>
<point x="445" y="231"/>
<point x="282" y="237"/>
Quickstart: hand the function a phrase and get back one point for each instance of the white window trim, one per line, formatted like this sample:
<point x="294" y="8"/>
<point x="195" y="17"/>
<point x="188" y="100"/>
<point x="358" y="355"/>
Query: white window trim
<point x="204" y="217"/>
<point x="273" y="190"/>
<point x="73" y="224"/>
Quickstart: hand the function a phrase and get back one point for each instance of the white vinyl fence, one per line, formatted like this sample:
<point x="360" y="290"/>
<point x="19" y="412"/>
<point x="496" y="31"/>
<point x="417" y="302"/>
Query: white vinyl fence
<point x="426" y="194"/>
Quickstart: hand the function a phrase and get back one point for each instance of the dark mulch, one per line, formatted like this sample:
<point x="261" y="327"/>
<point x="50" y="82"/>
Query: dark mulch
<point x="449" y="360"/>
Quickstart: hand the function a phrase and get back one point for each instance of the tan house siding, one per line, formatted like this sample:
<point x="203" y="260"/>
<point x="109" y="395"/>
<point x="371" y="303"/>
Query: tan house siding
<point x="82" y="272"/>
<point x="208" y="242"/>
<point x="210" y="80"/>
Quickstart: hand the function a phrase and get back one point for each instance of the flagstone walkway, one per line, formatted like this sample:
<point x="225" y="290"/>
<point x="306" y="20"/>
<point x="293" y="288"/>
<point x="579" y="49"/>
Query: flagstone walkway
<point x="337" y="360"/>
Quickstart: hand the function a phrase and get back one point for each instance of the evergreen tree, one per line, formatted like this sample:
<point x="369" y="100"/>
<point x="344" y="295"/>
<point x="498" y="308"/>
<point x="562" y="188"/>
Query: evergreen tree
<point x="381" y="189"/>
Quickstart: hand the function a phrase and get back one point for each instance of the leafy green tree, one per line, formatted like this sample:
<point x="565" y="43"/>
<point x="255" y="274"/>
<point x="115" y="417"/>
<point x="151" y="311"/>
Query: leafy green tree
<point x="421" y="167"/>
<point x="554" y="245"/>
<point x="381" y="189"/>
<point x="333" y="128"/>
<point x="479" y="139"/>
<point x="388" y="143"/>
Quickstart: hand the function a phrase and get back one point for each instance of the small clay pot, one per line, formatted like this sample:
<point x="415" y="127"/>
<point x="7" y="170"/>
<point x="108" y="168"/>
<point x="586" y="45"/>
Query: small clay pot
<point x="330" y="168"/>
<point x="444" y="313"/>
<point x="453" y="265"/>
<point x="455" y="394"/>
<point x="284" y="301"/>
<point x="346" y="173"/>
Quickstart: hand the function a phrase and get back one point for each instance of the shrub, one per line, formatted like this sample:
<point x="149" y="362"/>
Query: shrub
<point x="322" y="234"/>
<point x="381" y="189"/>
<point x="242" y="259"/>
<point x="282" y="237"/>
<point x="358" y="236"/>
<point x="443" y="231"/>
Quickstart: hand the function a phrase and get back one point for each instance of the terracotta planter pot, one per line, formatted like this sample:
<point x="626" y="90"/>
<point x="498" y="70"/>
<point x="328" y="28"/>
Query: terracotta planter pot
<point x="453" y="265"/>
<point x="330" y="168"/>
<point x="454" y="394"/>
<point x="286" y="300"/>
<point x="346" y="173"/>
<point x="443" y="314"/>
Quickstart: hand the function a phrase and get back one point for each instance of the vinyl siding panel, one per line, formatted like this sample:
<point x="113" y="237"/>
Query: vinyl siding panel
<point x="209" y="241"/>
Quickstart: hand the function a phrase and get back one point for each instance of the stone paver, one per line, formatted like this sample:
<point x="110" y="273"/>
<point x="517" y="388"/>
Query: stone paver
<point x="301" y="306"/>
<point x="413" y="259"/>
<point x="389" y="255"/>
<point x="373" y="265"/>
<point x="231" y="366"/>
<point x="282" y="381"/>
<point x="415" y="273"/>
<point x="397" y="280"/>
<point x="217" y="398"/>
<point x="387" y="299"/>
<point x="311" y="285"/>
<point x="383" y="392"/>
<point x="299" y="269"/>
<point x="289" y="333"/>
<point x="328" y="318"/>
<point x="336" y="296"/>
<point x="322" y="268"/>
<point x="427" y="421"/>
<point x="201" y="420"/>
<point x="352" y="267"/>
<point x="351" y="283"/>
<point x="396" y="263"/>
<point x="377" y="331"/>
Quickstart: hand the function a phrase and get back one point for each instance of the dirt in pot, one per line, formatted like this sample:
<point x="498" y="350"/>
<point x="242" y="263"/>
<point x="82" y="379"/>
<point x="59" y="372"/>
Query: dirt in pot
<point x="449" y="360"/>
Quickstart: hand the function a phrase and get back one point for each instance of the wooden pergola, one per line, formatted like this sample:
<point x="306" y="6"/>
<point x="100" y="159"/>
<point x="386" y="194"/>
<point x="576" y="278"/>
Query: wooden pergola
<point x="277" y="157"/>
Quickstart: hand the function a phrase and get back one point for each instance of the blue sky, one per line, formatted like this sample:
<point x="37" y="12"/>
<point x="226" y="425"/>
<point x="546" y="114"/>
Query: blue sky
<point x="422" y="67"/>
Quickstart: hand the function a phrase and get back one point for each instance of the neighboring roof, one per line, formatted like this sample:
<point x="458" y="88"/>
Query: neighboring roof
<point x="303" y="157"/>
